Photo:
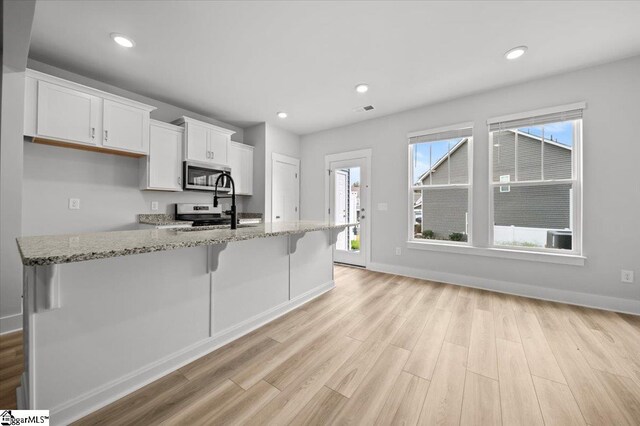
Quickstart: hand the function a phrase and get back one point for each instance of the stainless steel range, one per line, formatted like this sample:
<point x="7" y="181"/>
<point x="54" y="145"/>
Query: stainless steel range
<point x="202" y="214"/>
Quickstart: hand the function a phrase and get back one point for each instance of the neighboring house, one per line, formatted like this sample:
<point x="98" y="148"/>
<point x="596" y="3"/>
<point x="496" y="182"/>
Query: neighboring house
<point x="444" y="210"/>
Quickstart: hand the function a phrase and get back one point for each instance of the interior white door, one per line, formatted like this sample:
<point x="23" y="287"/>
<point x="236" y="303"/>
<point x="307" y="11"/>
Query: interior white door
<point x="125" y="127"/>
<point x="347" y="195"/>
<point x="66" y="114"/>
<point x="285" y="189"/>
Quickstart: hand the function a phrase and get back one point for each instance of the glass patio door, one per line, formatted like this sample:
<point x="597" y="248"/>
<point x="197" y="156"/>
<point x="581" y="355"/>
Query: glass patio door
<point x="346" y="181"/>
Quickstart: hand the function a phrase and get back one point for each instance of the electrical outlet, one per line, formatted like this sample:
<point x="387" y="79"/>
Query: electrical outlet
<point x="383" y="207"/>
<point x="626" y="276"/>
<point x="398" y="251"/>
<point x="74" y="203"/>
<point x="154" y="205"/>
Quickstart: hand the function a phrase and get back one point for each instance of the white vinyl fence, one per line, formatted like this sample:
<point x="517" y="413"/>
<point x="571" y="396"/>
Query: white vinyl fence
<point x="514" y="235"/>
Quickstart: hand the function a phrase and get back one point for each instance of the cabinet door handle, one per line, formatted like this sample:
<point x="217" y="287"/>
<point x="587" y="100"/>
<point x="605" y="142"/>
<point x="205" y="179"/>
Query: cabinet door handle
<point x="212" y="155"/>
<point x="93" y="133"/>
<point x="106" y="135"/>
<point x="208" y="154"/>
<point x="179" y="180"/>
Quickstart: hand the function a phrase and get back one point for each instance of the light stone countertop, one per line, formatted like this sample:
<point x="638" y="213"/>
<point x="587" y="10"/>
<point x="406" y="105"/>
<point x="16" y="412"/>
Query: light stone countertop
<point x="161" y="219"/>
<point x="56" y="249"/>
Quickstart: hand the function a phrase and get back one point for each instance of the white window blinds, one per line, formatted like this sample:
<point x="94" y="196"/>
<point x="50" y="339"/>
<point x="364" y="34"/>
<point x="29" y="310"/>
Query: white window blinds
<point x="440" y="135"/>
<point x="534" y="120"/>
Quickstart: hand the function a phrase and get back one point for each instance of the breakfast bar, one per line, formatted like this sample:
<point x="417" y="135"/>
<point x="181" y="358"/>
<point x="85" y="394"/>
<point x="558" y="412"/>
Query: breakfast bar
<point x="106" y="313"/>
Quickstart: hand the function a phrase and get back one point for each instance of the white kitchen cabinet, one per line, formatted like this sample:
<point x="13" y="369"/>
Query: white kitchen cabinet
<point x="162" y="168"/>
<point x="241" y="163"/>
<point x="219" y="146"/>
<point x="197" y="145"/>
<point x="62" y="112"/>
<point x="126" y="127"/>
<point x="205" y="142"/>
<point x="68" y="115"/>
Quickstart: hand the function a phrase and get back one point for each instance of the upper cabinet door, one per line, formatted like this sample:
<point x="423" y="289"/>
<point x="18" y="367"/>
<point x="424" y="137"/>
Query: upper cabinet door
<point x="197" y="143"/>
<point x="218" y="146"/>
<point x="165" y="158"/>
<point x="241" y="163"/>
<point x="126" y="127"/>
<point x="67" y="114"/>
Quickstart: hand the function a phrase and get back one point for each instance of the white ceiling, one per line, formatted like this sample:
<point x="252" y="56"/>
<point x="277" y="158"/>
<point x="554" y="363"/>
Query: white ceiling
<point x="241" y="62"/>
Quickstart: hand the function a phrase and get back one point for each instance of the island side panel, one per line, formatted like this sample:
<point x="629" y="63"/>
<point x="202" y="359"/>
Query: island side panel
<point x="118" y="316"/>
<point x="251" y="281"/>
<point x="311" y="263"/>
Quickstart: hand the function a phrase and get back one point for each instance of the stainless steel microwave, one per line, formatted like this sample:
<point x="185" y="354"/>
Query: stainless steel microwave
<point x="202" y="177"/>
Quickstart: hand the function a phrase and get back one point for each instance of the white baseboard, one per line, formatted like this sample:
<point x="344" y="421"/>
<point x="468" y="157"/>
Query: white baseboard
<point x="545" y="293"/>
<point x="21" y="393"/>
<point x="10" y="323"/>
<point x="79" y="407"/>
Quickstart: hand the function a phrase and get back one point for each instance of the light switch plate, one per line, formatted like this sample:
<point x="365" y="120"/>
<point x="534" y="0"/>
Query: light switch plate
<point x="74" y="203"/>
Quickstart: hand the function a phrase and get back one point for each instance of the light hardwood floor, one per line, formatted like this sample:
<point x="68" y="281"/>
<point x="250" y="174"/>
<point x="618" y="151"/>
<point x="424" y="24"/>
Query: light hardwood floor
<point x="11" y="367"/>
<point x="382" y="349"/>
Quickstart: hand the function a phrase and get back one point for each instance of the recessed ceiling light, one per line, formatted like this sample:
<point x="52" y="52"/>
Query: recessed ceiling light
<point x="122" y="40"/>
<point x="515" y="53"/>
<point x="282" y="114"/>
<point x="362" y="88"/>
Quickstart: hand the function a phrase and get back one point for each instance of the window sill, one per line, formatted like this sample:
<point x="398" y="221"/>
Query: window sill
<point x="534" y="256"/>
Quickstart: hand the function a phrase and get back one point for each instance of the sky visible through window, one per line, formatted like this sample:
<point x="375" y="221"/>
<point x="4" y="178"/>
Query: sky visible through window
<point x="561" y="133"/>
<point x="426" y="155"/>
<point x="354" y="175"/>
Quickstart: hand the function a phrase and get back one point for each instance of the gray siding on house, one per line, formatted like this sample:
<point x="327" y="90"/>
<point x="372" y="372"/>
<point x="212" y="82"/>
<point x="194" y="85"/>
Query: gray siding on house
<point x="557" y="160"/>
<point x="460" y="164"/>
<point x="540" y="206"/>
<point x="444" y="210"/>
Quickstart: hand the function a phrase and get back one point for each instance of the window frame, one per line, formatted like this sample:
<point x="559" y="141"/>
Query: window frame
<point x="469" y="186"/>
<point x="576" y="200"/>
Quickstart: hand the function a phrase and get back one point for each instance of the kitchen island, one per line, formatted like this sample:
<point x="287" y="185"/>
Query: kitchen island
<point x="106" y="313"/>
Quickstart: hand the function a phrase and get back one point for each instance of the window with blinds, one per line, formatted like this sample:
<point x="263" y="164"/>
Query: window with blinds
<point x="439" y="184"/>
<point x="534" y="179"/>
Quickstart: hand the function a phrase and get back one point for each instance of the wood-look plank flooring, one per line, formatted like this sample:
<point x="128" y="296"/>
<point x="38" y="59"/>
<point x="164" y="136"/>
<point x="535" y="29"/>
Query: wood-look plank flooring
<point x="11" y="367"/>
<point x="381" y="349"/>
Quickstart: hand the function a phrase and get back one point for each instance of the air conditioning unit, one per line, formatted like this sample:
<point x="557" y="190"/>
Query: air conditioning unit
<point x="559" y="239"/>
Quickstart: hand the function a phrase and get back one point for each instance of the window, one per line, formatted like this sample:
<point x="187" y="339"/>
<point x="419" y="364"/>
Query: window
<point x="535" y="182"/>
<point x="439" y="184"/>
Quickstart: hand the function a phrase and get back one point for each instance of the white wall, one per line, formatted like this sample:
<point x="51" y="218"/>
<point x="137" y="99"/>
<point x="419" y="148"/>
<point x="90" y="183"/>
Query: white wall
<point x="256" y="136"/>
<point x="267" y="140"/>
<point x="611" y="186"/>
<point x="17" y="19"/>
<point x="279" y="141"/>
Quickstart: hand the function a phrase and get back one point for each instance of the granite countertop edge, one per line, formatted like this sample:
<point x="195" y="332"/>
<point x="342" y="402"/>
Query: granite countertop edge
<point x="212" y="237"/>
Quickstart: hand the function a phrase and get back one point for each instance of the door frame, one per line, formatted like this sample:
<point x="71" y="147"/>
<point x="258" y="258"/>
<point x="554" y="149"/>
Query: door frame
<point x="364" y="154"/>
<point x="275" y="157"/>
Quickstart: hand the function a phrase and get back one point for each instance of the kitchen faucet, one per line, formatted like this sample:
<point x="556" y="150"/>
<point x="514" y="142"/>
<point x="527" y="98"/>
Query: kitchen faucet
<point x="234" y="215"/>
